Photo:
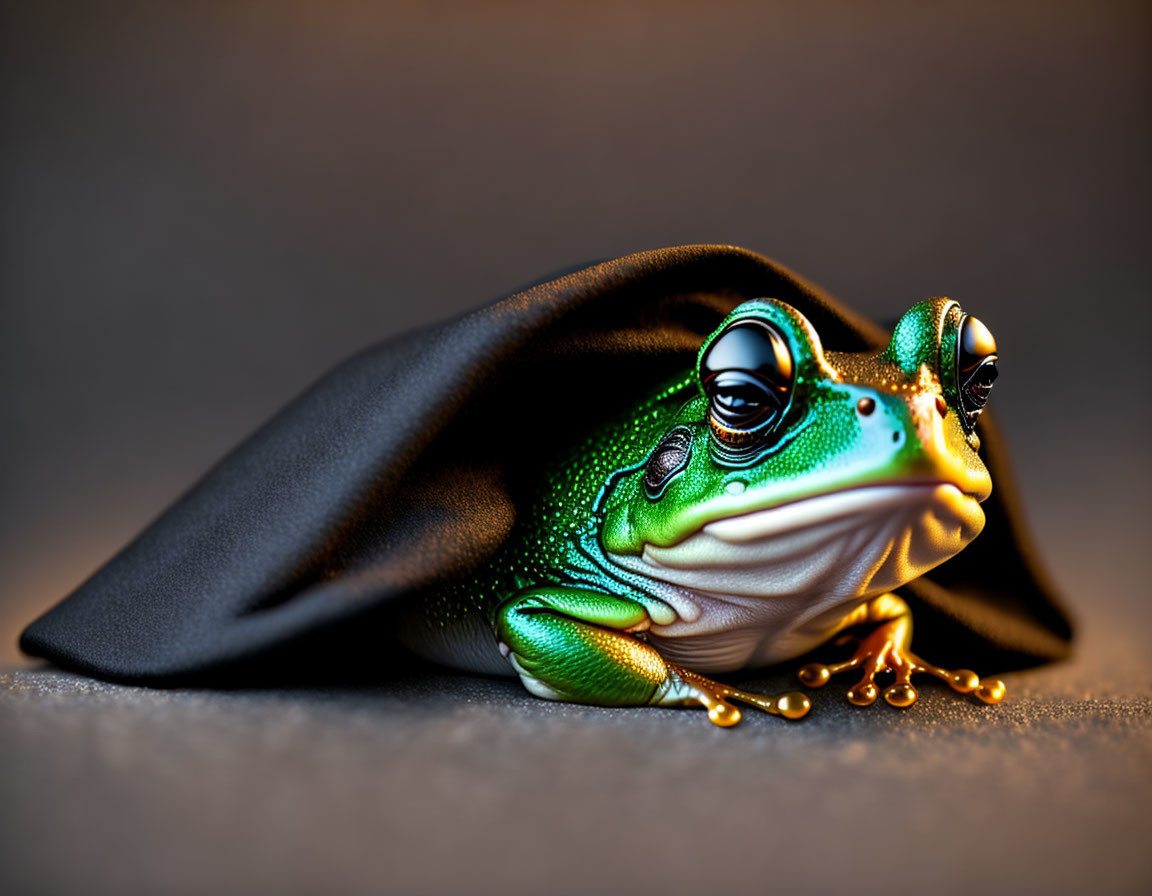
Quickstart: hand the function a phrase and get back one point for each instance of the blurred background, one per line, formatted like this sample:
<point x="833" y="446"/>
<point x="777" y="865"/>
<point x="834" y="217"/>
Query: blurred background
<point x="206" y="205"/>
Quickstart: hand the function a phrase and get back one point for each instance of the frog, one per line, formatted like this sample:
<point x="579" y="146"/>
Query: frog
<point x="767" y="501"/>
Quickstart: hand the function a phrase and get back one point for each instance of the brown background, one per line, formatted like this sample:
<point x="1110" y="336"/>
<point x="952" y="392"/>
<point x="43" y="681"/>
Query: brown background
<point x="205" y="205"/>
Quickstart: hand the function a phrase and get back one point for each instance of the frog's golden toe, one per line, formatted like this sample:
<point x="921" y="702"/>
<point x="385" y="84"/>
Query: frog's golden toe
<point x="688" y="687"/>
<point x="884" y="650"/>
<point x="901" y="695"/>
<point x="864" y="694"/>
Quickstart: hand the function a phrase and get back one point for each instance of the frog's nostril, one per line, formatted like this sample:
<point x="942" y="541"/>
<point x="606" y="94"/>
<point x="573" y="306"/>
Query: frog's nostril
<point x="866" y="406"/>
<point x="941" y="406"/>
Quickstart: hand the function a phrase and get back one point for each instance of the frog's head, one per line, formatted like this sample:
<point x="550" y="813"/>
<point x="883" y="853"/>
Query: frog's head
<point x="794" y="470"/>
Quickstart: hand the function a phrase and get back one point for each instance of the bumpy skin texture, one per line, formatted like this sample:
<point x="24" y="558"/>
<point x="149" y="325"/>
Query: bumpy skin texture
<point x="673" y="541"/>
<point x="558" y="542"/>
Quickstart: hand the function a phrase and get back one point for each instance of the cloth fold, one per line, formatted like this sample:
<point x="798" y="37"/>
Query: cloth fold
<point x="406" y="465"/>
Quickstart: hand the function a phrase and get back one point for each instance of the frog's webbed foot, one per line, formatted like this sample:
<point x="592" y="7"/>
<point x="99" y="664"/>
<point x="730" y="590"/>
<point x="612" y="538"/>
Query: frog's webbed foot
<point x="682" y="686"/>
<point x="886" y="649"/>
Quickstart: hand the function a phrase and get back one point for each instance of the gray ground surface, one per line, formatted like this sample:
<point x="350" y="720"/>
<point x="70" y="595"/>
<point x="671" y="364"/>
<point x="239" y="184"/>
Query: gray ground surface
<point x="446" y="783"/>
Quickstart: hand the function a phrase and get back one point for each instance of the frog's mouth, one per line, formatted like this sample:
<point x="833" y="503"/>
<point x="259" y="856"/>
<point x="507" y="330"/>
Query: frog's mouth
<point x="849" y="544"/>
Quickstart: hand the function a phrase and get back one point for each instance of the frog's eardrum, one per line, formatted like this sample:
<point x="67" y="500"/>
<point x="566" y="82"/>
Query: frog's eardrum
<point x="405" y="466"/>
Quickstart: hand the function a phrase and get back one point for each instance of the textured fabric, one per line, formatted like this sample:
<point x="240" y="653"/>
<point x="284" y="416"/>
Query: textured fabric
<point x="405" y="466"/>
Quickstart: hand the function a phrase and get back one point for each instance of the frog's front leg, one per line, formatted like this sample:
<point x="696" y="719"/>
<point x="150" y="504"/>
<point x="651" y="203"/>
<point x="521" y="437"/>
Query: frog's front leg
<point x="887" y="648"/>
<point x="579" y="645"/>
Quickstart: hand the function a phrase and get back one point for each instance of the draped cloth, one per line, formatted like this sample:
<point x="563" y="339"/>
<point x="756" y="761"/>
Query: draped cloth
<point x="408" y="464"/>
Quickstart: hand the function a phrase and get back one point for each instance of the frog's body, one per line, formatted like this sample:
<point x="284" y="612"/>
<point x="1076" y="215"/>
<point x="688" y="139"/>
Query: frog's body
<point x="744" y="514"/>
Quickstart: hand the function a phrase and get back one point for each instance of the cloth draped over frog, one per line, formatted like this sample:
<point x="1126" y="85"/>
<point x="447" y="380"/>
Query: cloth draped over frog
<point x="407" y="466"/>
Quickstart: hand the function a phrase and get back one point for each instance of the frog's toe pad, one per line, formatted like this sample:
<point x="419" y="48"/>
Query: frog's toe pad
<point x="864" y="694"/>
<point x="793" y="705"/>
<point x="815" y="675"/>
<point x="901" y="695"/>
<point x="723" y="714"/>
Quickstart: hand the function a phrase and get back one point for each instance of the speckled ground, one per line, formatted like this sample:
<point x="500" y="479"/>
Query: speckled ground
<point x="444" y="783"/>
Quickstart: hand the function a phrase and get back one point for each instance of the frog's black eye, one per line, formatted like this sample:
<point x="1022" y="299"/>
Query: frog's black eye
<point x="975" y="368"/>
<point x="747" y="374"/>
<point x="669" y="458"/>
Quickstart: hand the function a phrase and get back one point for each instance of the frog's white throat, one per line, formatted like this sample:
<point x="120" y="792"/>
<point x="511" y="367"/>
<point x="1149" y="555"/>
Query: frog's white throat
<point x="768" y="585"/>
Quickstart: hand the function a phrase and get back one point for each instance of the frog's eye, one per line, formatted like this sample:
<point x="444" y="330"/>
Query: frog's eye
<point x="669" y="458"/>
<point x="747" y="374"/>
<point x="975" y="368"/>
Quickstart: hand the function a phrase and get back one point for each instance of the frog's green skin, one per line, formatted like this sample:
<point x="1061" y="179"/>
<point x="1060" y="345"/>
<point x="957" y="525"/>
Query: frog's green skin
<point x="606" y="593"/>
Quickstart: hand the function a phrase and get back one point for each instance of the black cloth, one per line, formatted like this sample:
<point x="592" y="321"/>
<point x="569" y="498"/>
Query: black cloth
<point x="406" y="466"/>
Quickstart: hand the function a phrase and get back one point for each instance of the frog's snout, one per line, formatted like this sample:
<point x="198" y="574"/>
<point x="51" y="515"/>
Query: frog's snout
<point x="919" y="433"/>
<point x="866" y="406"/>
<point x="936" y="446"/>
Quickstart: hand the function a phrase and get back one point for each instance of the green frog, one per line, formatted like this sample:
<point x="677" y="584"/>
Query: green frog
<point x="761" y="504"/>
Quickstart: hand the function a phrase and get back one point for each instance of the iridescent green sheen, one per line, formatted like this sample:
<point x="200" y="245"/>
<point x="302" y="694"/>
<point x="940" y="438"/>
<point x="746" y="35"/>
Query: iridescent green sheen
<point x="916" y="338"/>
<point x="557" y="541"/>
<point x="569" y="641"/>
<point x="562" y="608"/>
